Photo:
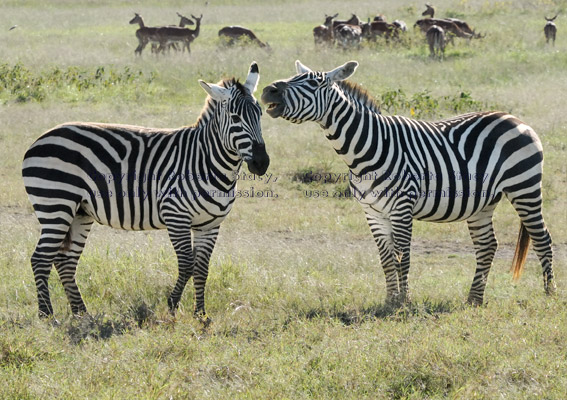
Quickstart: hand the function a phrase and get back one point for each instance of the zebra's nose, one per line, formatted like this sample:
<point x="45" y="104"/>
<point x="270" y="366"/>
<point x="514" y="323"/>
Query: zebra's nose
<point x="260" y="160"/>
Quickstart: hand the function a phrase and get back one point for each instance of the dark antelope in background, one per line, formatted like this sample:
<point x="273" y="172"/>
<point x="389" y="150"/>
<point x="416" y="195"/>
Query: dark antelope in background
<point x="550" y="30"/>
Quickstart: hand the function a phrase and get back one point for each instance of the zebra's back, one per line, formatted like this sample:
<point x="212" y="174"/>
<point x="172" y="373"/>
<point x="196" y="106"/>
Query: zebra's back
<point x="114" y="173"/>
<point x="453" y="168"/>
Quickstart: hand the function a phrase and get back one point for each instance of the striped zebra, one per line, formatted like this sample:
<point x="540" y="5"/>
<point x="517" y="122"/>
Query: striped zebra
<point x="403" y="169"/>
<point x="136" y="178"/>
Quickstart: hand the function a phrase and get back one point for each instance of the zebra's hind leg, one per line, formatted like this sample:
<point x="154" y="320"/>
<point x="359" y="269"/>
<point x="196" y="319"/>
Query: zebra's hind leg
<point x="529" y="210"/>
<point x="204" y="243"/>
<point x="482" y="234"/>
<point x="180" y="235"/>
<point x="48" y="246"/>
<point x="68" y="257"/>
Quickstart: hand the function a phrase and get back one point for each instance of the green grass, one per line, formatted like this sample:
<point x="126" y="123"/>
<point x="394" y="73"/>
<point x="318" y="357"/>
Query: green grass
<point x="295" y="290"/>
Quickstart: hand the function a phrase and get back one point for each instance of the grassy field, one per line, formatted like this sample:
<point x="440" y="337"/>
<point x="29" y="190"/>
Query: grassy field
<point x="295" y="290"/>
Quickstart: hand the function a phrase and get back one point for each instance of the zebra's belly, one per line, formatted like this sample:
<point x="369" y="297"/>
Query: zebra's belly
<point x="446" y="204"/>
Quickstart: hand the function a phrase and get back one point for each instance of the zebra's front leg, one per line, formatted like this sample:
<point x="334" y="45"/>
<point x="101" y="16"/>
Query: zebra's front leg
<point x="180" y="236"/>
<point x="381" y="229"/>
<point x="402" y="225"/>
<point x="482" y="234"/>
<point x="204" y="243"/>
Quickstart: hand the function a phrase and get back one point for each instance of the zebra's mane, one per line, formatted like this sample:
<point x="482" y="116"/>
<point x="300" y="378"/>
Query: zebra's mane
<point x="210" y="104"/>
<point x="359" y="95"/>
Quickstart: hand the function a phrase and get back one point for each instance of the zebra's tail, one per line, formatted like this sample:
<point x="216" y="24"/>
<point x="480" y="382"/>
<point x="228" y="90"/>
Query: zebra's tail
<point x="521" y="252"/>
<point x="66" y="246"/>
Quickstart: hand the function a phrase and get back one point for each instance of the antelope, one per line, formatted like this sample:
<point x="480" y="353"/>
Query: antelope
<point x="372" y="30"/>
<point x="173" y="34"/>
<point x="449" y="27"/>
<point x="353" y="20"/>
<point x="324" y="33"/>
<point x="182" y="24"/>
<point x="234" y="33"/>
<point x="348" y="35"/>
<point x="430" y="11"/>
<point x="401" y="25"/>
<point x="436" y="39"/>
<point x="144" y="34"/>
<point x="550" y="30"/>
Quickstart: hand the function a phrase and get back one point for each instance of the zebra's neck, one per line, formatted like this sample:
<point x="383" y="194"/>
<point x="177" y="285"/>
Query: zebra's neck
<point x="219" y="162"/>
<point x="354" y="126"/>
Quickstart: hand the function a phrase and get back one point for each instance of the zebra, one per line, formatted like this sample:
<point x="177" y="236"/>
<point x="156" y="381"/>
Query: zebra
<point x="402" y="169"/>
<point x="136" y="178"/>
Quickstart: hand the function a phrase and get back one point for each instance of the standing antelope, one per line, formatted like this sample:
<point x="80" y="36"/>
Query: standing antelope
<point x="550" y="30"/>
<point x="430" y="11"/>
<point x="436" y="39"/>
<point x="324" y="34"/>
<point x="182" y="24"/>
<point x="145" y="34"/>
<point x="173" y="34"/>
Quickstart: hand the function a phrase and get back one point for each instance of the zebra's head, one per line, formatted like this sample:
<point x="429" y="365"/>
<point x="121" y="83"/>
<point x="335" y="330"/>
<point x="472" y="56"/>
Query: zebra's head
<point x="235" y="114"/>
<point x="305" y="96"/>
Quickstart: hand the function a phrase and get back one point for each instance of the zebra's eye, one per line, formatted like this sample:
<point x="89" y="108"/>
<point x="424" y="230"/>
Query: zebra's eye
<point x="235" y="119"/>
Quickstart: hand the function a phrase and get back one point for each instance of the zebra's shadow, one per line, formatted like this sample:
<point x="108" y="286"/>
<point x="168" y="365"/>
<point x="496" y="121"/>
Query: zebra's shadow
<point x="423" y="309"/>
<point x="102" y="327"/>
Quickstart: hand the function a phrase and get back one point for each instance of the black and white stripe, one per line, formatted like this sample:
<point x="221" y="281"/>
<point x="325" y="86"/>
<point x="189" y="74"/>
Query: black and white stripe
<point x="136" y="178"/>
<point x="403" y="169"/>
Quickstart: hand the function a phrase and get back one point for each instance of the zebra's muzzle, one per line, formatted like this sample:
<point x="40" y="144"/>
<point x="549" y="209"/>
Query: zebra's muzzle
<point x="259" y="162"/>
<point x="272" y="96"/>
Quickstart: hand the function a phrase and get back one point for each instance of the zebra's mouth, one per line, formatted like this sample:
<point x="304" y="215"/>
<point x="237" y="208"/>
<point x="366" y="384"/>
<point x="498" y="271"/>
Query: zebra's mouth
<point x="272" y="96"/>
<point x="275" y="110"/>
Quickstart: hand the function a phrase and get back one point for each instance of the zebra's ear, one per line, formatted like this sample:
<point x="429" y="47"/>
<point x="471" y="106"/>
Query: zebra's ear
<point x="300" y="68"/>
<point x="253" y="77"/>
<point x="343" y="72"/>
<point x="217" y="92"/>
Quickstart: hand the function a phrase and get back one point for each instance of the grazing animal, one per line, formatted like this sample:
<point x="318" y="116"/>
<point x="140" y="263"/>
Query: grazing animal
<point x="348" y="36"/>
<point x="173" y="34"/>
<point x="429" y="11"/>
<point x="136" y="178"/>
<point x="402" y="169"/>
<point x="550" y="30"/>
<point x="451" y="29"/>
<point x="401" y="25"/>
<point x="436" y="40"/>
<point x="353" y="20"/>
<point x="234" y="33"/>
<point x="371" y="30"/>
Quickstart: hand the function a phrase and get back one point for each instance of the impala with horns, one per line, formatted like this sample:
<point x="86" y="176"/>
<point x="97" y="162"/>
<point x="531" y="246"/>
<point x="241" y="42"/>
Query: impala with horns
<point x="174" y="34"/>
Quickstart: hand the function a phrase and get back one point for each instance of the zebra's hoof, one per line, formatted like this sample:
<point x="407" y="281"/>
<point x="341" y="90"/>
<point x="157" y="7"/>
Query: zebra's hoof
<point x="204" y="319"/>
<point x="475" y="301"/>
